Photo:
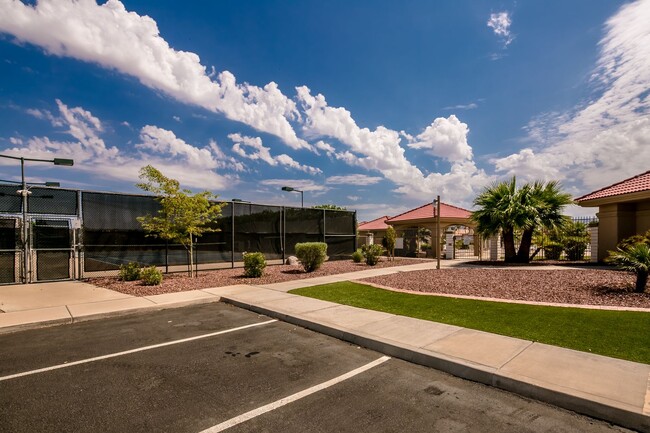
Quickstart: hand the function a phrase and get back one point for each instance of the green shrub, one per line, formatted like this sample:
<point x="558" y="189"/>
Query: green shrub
<point x="254" y="264"/>
<point x="151" y="276"/>
<point x="575" y="248"/>
<point x="372" y="253"/>
<point x="553" y="250"/>
<point x="425" y="246"/>
<point x="129" y="272"/>
<point x="357" y="256"/>
<point x="311" y="254"/>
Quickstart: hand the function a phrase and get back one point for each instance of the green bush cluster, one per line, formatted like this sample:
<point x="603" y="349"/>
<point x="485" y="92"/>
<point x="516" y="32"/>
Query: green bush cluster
<point x="553" y="250"/>
<point x="571" y="237"/>
<point x="357" y="256"/>
<point x="132" y="271"/>
<point x="372" y="253"/>
<point x="311" y="254"/>
<point x="129" y="272"/>
<point x="254" y="264"/>
<point x="151" y="276"/>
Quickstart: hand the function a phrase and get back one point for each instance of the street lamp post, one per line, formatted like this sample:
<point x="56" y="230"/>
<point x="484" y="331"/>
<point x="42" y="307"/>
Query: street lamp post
<point x="438" y="238"/>
<point x="24" y="192"/>
<point x="290" y="189"/>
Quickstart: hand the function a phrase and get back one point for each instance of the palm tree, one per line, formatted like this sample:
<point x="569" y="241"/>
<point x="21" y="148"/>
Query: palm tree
<point x="505" y="209"/>
<point x="544" y="202"/>
<point x="634" y="258"/>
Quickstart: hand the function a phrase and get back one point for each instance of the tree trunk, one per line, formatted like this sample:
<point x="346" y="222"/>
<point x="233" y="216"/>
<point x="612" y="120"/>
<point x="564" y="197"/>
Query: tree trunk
<point x="641" y="281"/>
<point x="509" y="246"/>
<point x="191" y="258"/>
<point x="523" y="255"/>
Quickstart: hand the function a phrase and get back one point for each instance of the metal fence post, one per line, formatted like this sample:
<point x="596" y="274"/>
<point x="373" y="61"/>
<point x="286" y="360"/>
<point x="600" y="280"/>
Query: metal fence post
<point x="166" y="256"/>
<point x="324" y="229"/>
<point x="232" y="236"/>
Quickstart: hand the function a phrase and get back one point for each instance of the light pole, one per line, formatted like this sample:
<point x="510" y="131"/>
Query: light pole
<point x="437" y="215"/>
<point x="24" y="192"/>
<point x="290" y="189"/>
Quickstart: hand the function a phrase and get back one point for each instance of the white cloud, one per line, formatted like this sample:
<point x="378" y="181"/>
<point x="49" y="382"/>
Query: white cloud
<point x="192" y="166"/>
<point x="328" y="148"/>
<point x="115" y="38"/>
<point x="164" y="142"/>
<point x="608" y="138"/>
<point x="16" y="141"/>
<point x="445" y="138"/>
<point x="470" y="106"/>
<point x="176" y="118"/>
<point x="225" y="161"/>
<point x="354" y="179"/>
<point x="500" y="24"/>
<point x="354" y="198"/>
<point x="380" y="150"/>
<point x="262" y="153"/>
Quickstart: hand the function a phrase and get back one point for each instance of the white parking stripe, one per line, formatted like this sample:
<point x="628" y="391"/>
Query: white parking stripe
<point x="127" y="352"/>
<point x="297" y="396"/>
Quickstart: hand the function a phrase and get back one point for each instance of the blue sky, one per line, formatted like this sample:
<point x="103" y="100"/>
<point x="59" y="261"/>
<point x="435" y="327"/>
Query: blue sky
<point x="377" y="106"/>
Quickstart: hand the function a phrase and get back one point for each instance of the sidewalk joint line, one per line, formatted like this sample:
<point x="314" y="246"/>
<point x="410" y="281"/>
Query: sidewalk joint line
<point x="130" y="351"/>
<point x="294" y="397"/>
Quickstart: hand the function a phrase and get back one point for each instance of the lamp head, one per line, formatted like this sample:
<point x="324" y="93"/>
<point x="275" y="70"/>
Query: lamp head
<point x="287" y="188"/>
<point x="63" y="161"/>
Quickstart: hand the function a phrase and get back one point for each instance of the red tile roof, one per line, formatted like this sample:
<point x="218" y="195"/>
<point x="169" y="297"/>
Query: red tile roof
<point x="376" y="224"/>
<point x="638" y="183"/>
<point x="427" y="211"/>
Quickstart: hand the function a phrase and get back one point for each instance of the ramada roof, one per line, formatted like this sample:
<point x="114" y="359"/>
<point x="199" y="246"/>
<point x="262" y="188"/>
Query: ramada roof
<point x="376" y="224"/>
<point x="638" y="183"/>
<point x="427" y="211"/>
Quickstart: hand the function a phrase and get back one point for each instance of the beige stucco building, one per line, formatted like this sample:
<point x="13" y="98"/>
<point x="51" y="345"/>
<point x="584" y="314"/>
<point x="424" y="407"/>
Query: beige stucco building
<point x="623" y="211"/>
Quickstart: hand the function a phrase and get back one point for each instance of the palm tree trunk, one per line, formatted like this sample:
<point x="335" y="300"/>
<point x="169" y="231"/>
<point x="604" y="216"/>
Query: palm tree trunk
<point x="509" y="246"/>
<point x="641" y="281"/>
<point x="523" y="255"/>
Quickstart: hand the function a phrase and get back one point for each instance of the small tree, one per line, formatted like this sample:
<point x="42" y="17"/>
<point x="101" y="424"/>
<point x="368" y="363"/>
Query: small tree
<point x="422" y="235"/>
<point x="390" y="237"/>
<point x="183" y="215"/>
<point x="634" y="258"/>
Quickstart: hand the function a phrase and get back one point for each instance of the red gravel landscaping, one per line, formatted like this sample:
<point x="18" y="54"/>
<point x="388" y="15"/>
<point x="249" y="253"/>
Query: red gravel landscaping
<point x="566" y="286"/>
<point x="227" y="277"/>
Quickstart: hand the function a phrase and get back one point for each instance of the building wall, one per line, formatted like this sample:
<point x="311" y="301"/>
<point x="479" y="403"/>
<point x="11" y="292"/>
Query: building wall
<point x="619" y="221"/>
<point x="643" y="216"/>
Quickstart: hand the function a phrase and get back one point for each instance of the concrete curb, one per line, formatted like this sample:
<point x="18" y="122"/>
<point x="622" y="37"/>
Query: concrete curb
<point x="594" y="406"/>
<point x="37" y="324"/>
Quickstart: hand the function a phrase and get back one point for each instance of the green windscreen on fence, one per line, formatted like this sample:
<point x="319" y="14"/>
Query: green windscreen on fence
<point x="112" y="236"/>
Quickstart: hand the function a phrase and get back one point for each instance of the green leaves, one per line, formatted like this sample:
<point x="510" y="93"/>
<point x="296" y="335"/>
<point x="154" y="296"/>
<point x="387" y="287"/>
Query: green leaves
<point x="634" y="258"/>
<point x="505" y="208"/>
<point x="182" y="216"/>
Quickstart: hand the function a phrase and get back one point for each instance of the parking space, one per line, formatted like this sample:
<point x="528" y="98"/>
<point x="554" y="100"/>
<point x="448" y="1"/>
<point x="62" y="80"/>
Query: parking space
<point x="215" y="367"/>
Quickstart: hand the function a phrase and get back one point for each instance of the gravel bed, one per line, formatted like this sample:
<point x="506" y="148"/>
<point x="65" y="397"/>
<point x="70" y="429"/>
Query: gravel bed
<point x="180" y="282"/>
<point x="566" y="286"/>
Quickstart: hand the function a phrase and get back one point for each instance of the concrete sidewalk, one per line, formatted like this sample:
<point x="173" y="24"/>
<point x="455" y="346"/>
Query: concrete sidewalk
<point x="598" y="386"/>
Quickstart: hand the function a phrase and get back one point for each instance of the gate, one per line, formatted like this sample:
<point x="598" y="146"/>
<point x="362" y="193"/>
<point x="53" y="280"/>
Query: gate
<point x="52" y="251"/>
<point x="464" y="246"/>
<point x="10" y="251"/>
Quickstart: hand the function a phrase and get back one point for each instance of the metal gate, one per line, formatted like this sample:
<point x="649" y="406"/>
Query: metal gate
<point x="52" y="251"/>
<point x="464" y="246"/>
<point x="10" y="252"/>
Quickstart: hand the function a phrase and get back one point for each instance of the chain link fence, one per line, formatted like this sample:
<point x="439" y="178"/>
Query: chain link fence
<point x="73" y="234"/>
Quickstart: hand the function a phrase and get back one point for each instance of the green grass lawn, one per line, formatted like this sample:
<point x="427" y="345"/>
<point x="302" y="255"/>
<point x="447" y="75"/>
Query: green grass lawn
<point x="619" y="334"/>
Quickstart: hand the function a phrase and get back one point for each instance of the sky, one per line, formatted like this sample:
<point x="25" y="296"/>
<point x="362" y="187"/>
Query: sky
<point x="377" y="106"/>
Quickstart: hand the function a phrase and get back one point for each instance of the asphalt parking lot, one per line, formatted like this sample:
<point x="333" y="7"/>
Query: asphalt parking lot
<point x="215" y="367"/>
